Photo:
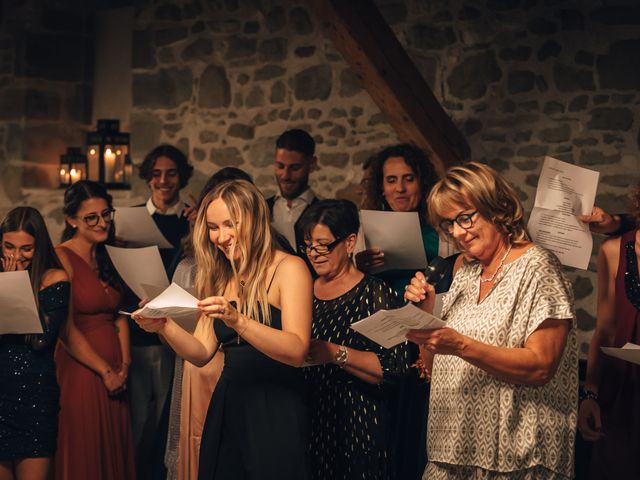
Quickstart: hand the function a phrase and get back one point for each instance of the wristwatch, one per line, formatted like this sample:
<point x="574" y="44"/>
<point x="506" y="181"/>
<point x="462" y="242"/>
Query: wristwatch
<point x="342" y="355"/>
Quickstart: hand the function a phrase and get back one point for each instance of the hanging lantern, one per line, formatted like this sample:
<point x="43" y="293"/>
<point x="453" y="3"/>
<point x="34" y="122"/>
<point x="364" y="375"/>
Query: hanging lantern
<point x="107" y="151"/>
<point x="73" y="167"/>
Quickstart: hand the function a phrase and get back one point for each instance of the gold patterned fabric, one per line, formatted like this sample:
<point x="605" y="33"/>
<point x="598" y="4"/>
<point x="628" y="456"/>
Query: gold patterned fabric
<point x="476" y="420"/>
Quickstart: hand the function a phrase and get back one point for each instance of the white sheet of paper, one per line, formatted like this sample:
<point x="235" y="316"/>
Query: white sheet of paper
<point x="141" y="269"/>
<point x="135" y="226"/>
<point x="629" y="352"/>
<point x="174" y="302"/>
<point x="390" y="327"/>
<point x="398" y="235"/>
<point x="19" y="311"/>
<point x="564" y="191"/>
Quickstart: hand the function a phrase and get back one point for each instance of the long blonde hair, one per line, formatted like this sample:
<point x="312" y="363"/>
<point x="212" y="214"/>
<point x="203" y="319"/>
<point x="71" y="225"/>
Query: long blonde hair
<point x="250" y="218"/>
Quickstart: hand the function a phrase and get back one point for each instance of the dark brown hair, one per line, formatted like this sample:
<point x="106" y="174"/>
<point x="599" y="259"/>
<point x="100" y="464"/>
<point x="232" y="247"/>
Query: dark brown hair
<point x="419" y="163"/>
<point x="185" y="170"/>
<point x="73" y="198"/>
<point x="29" y="220"/>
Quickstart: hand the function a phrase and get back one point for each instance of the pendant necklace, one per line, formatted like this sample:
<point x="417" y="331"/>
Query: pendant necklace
<point x="242" y="283"/>
<point x="492" y="277"/>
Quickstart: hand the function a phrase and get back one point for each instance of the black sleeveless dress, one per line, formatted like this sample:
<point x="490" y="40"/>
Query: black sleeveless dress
<point x="29" y="393"/>
<point x="257" y="422"/>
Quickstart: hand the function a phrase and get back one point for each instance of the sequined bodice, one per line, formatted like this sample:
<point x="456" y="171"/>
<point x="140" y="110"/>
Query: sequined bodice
<point x="631" y="280"/>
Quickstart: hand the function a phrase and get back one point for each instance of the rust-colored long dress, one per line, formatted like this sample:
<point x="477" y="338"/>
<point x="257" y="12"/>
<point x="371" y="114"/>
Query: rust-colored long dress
<point x="94" y="434"/>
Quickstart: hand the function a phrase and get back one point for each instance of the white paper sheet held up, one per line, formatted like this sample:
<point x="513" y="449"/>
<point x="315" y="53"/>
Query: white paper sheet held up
<point x="629" y="352"/>
<point x="19" y="312"/>
<point x="135" y="226"/>
<point x="398" y="235"/>
<point x="390" y="327"/>
<point x="174" y="302"/>
<point x="564" y="191"/>
<point x="141" y="269"/>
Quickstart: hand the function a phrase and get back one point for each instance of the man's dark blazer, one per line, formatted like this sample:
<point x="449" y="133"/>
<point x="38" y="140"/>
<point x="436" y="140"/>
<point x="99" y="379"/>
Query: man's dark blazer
<point x="298" y="248"/>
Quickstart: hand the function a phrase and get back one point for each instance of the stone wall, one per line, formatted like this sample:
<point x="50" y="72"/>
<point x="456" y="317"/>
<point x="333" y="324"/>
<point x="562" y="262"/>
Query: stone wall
<point x="223" y="79"/>
<point x="527" y="78"/>
<point x="521" y="78"/>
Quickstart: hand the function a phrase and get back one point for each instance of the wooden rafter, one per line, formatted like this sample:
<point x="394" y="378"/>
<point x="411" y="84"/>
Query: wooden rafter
<point x="369" y="46"/>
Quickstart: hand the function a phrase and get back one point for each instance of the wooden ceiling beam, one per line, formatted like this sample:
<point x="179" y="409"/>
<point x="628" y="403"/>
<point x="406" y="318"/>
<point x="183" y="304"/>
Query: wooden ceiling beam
<point x="367" y="43"/>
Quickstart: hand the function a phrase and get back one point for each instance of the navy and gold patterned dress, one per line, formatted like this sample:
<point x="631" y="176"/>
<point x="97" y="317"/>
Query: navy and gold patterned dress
<point x="351" y="419"/>
<point x="29" y="393"/>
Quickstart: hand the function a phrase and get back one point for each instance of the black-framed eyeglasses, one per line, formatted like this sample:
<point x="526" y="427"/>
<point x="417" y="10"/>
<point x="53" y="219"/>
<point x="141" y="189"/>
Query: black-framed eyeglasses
<point x="320" y="249"/>
<point x="93" y="218"/>
<point x="464" y="220"/>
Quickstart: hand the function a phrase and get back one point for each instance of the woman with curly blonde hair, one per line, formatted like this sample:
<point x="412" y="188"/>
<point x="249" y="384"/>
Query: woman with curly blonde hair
<point x="504" y="369"/>
<point x="257" y="306"/>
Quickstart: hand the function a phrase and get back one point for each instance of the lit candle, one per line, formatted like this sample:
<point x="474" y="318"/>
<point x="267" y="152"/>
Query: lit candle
<point x="109" y="165"/>
<point x="75" y="175"/>
<point x="64" y="177"/>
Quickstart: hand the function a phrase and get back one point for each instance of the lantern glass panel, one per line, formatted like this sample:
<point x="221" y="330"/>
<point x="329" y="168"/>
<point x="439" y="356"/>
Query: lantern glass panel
<point x="93" y="156"/>
<point x="78" y="171"/>
<point x="109" y="163"/>
<point x="65" y="167"/>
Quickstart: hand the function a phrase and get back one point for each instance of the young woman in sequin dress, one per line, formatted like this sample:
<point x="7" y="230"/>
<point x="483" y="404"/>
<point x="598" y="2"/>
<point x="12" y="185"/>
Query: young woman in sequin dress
<point x="29" y="393"/>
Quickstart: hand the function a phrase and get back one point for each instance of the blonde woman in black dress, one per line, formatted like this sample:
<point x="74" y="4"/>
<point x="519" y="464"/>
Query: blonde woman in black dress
<point x="257" y="305"/>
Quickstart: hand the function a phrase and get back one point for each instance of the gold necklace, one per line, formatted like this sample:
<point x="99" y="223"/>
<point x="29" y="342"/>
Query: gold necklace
<point x="492" y="277"/>
<point x="242" y="283"/>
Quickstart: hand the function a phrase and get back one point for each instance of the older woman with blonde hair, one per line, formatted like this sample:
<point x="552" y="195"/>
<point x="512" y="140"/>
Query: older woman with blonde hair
<point x="504" y="369"/>
<point x="257" y="304"/>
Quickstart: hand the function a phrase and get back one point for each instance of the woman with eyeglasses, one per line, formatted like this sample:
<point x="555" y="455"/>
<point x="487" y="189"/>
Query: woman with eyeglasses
<point x="29" y="393"/>
<point x="256" y="304"/>
<point x="348" y="382"/>
<point x="504" y="371"/>
<point x="94" y="437"/>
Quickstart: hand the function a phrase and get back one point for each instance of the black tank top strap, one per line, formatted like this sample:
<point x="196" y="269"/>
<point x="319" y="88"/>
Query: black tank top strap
<point x="275" y="270"/>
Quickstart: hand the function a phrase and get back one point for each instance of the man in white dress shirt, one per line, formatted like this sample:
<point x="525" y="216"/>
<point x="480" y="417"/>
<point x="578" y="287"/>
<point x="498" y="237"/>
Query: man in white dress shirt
<point x="166" y="170"/>
<point x="294" y="159"/>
